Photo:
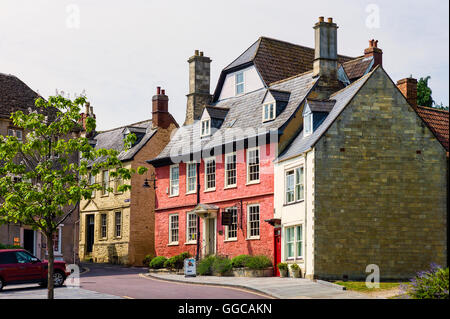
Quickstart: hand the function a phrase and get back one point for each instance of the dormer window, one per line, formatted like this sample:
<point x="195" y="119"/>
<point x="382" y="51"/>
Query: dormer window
<point x="206" y="127"/>
<point x="239" y="83"/>
<point x="308" y="124"/>
<point x="268" y="112"/>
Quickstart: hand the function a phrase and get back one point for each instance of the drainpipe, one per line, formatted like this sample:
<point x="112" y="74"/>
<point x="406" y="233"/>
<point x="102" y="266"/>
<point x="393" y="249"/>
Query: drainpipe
<point x="197" y="257"/>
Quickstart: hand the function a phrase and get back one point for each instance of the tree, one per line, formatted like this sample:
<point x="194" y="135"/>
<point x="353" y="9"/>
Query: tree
<point x="424" y="93"/>
<point x="48" y="171"/>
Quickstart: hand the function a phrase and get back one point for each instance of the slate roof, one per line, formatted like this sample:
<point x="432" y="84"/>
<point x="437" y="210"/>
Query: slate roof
<point x="438" y="122"/>
<point x="242" y="120"/>
<point x="299" y="145"/>
<point x="321" y="105"/>
<point x="15" y="95"/>
<point x="216" y="112"/>
<point x="113" y="139"/>
<point x="358" y="67"/>
<point x="275" y="60"/>
<point x="280" y="96"/>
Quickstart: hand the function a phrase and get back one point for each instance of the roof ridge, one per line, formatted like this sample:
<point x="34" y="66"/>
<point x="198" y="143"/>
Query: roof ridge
<point x="432" y="108"/>
<point x="351" y="84"/>
<point x="124" y="126"/>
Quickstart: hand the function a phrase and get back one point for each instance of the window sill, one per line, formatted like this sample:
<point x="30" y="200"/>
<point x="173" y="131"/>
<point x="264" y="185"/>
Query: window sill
<point x="175" y="195"/>
<point x="230" y="187"/>
<point x="253" y="183"/>
<point x="104" y="195"/>
<point x="230" y="240"/>
<point x="293" y="203"/>
<point x="209" y="190"/>
<point x="253" y="238"/>
<point x="173" y="244"/>
<point x="190" y="243"/>
<point x="190" y="193"/>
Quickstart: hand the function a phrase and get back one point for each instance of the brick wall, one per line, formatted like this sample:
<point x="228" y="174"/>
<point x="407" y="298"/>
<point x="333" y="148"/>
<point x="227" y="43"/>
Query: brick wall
<point x="380" y="189"/>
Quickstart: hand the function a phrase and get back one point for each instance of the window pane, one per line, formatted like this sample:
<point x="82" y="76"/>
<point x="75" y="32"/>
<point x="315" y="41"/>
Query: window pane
<point x="192" y="177"/>
<point x="192" y="227"/>
<point x="299" y="241"/>
<point x="232" y="229"/>
<point x="104" y="225"/>
<point x="289" y="186"/>
<point x="299" y="183"/>
<point x="239" y="77"/>
<point x="271" y="115"/>
<point x="105" y="182"/>
<point x="174" y="228"/>
<point x="210" y="174"/>
<point x="289" y="242"/>
<point x="253" y="165"/>
<point x="118" y="221"/>
<point x="230" y="170"/>
<point x="174" y="180"/>
<point x="253" y="220"/>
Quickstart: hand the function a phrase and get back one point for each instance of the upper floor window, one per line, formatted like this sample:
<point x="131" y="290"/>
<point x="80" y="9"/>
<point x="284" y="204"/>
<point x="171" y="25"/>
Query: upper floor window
<point x="206" y="127"/>
<point x="294" y="187"/>
<point x="210" y="174"/>
<point x="268" y="112"/>
<point x="308" y="124"/>
<point x="174" y="180"/>
<point x="105" y="183"/>
<point x="92" y="182"/>
<point x="239" y="83"/>
<point x="230" y="170"/>
<point x="191" y="177"/>
<point x="253" y="165"/>
<point x="16" y="133"/>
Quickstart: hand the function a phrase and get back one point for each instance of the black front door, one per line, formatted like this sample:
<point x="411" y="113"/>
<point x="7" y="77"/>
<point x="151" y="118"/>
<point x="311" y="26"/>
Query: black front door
<point x="89" y="233"/>
<point x="28" y="240"/>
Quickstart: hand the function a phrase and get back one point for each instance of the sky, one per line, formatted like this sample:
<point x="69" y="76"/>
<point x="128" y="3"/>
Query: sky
<point x="118" y="52"/>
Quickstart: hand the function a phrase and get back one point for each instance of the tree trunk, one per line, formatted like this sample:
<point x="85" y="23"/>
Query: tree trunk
<point x="51" y="257"/>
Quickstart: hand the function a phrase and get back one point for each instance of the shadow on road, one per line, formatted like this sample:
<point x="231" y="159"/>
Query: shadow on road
<point x="110" y="270"/>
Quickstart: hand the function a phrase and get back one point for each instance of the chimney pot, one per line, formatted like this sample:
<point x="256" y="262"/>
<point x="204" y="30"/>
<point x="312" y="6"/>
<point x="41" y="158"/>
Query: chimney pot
<point x="158" y="90"/>
<point x="330" y="20"/>
<point x="375" y="52"/>
<point x="201" y="53"/>
<point x="196" y="52"/>
<point x="321" y="19"/>
<point x="163" y="92"/>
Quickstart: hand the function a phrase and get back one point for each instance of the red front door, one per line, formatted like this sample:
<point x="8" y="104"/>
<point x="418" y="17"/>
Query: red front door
<point x="277" y="249"/>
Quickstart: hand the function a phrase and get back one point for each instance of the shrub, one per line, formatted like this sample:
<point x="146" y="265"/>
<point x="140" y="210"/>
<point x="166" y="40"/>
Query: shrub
<point x="204" y="267"/>
<point x="240" y="261"/>
<point x="282" y="266"/>
<point x="295" y="267"/>
<point x="176" y="262"/>
<point x="432" y="284"/>
<point x="258" y="262"/>
<point x="147" y="259"/>
<point x="158" y="262"/>
<point x="221" y="265"/>
<point x="3" y="246"/>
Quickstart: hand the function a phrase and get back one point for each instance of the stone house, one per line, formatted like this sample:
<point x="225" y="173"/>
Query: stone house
<point x="118" y="227"/>
<point x="15" y="95"/>
<point x="365" y="180"/>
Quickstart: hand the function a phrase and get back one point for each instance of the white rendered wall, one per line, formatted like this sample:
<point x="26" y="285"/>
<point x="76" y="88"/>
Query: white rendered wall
<point x="252" y="82"/>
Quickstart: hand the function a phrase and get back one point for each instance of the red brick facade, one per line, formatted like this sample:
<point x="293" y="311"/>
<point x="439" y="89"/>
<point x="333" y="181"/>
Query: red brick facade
<point x="241" y="196"/>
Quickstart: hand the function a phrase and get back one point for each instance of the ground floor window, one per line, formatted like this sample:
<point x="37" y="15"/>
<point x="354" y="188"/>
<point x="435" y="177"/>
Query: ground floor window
<point x="118" y="222"/>
<point x="253" y="221"/>
<point x="103" y="225"/>
<point x="231" y="230"/>
<point x="57" y="240"/>
<point x="293" y="240"/>
<point x="173" y="229"/>
<point x="191" y="231"/>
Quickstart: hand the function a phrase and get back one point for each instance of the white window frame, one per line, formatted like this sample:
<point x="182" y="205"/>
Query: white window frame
<point x="171" y="181"/>
<point x="295" y="242"/>
<point x="308" y="118"/>
<point x="106" y="226"/>
<point x="226" y="170"/>
<point x="286" y="190"/>
<point x="206" y="160"/>
<point x="187" y="178"/>
<point x="299" y="183"/>
<point x="249" y="236"/>
<point x="188" y="239"/>
<point x="248" y="165"/>
<point x="226" y="230"/>
<point x="286" y="242"/>
<point x="271" y="106"/>
<point x="236" y="83"/>
<point x="105" y="191"/>
<point x="170" y="229"/>
<point x="206" y="128"/>
<point x="92" y="178"/>
<point x="59" y="230"/>
<point x="115" y="224"/>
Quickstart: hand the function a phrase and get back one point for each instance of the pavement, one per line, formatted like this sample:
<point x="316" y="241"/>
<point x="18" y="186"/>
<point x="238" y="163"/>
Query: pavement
<point x="37" y="292"/>
<point x="276" y="287"/>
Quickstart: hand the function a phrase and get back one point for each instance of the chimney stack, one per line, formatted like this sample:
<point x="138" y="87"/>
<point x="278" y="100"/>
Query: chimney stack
<point x="160" y="109"/>
<point x="374" y="51"/>
<point x="408" y="87"/>
<point x="325" y="62"/>
<point x="89" y="112"/>
<point x="199" y="83"/>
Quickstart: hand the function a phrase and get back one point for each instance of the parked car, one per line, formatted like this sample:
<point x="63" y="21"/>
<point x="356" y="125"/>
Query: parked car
<point x="18" y="266"/>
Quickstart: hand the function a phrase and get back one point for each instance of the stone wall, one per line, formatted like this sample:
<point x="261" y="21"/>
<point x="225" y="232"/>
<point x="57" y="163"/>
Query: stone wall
<point x="380" y="189"/>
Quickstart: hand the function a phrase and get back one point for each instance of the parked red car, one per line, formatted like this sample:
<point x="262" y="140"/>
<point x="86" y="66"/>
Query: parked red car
<point x="18" y="266"/>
